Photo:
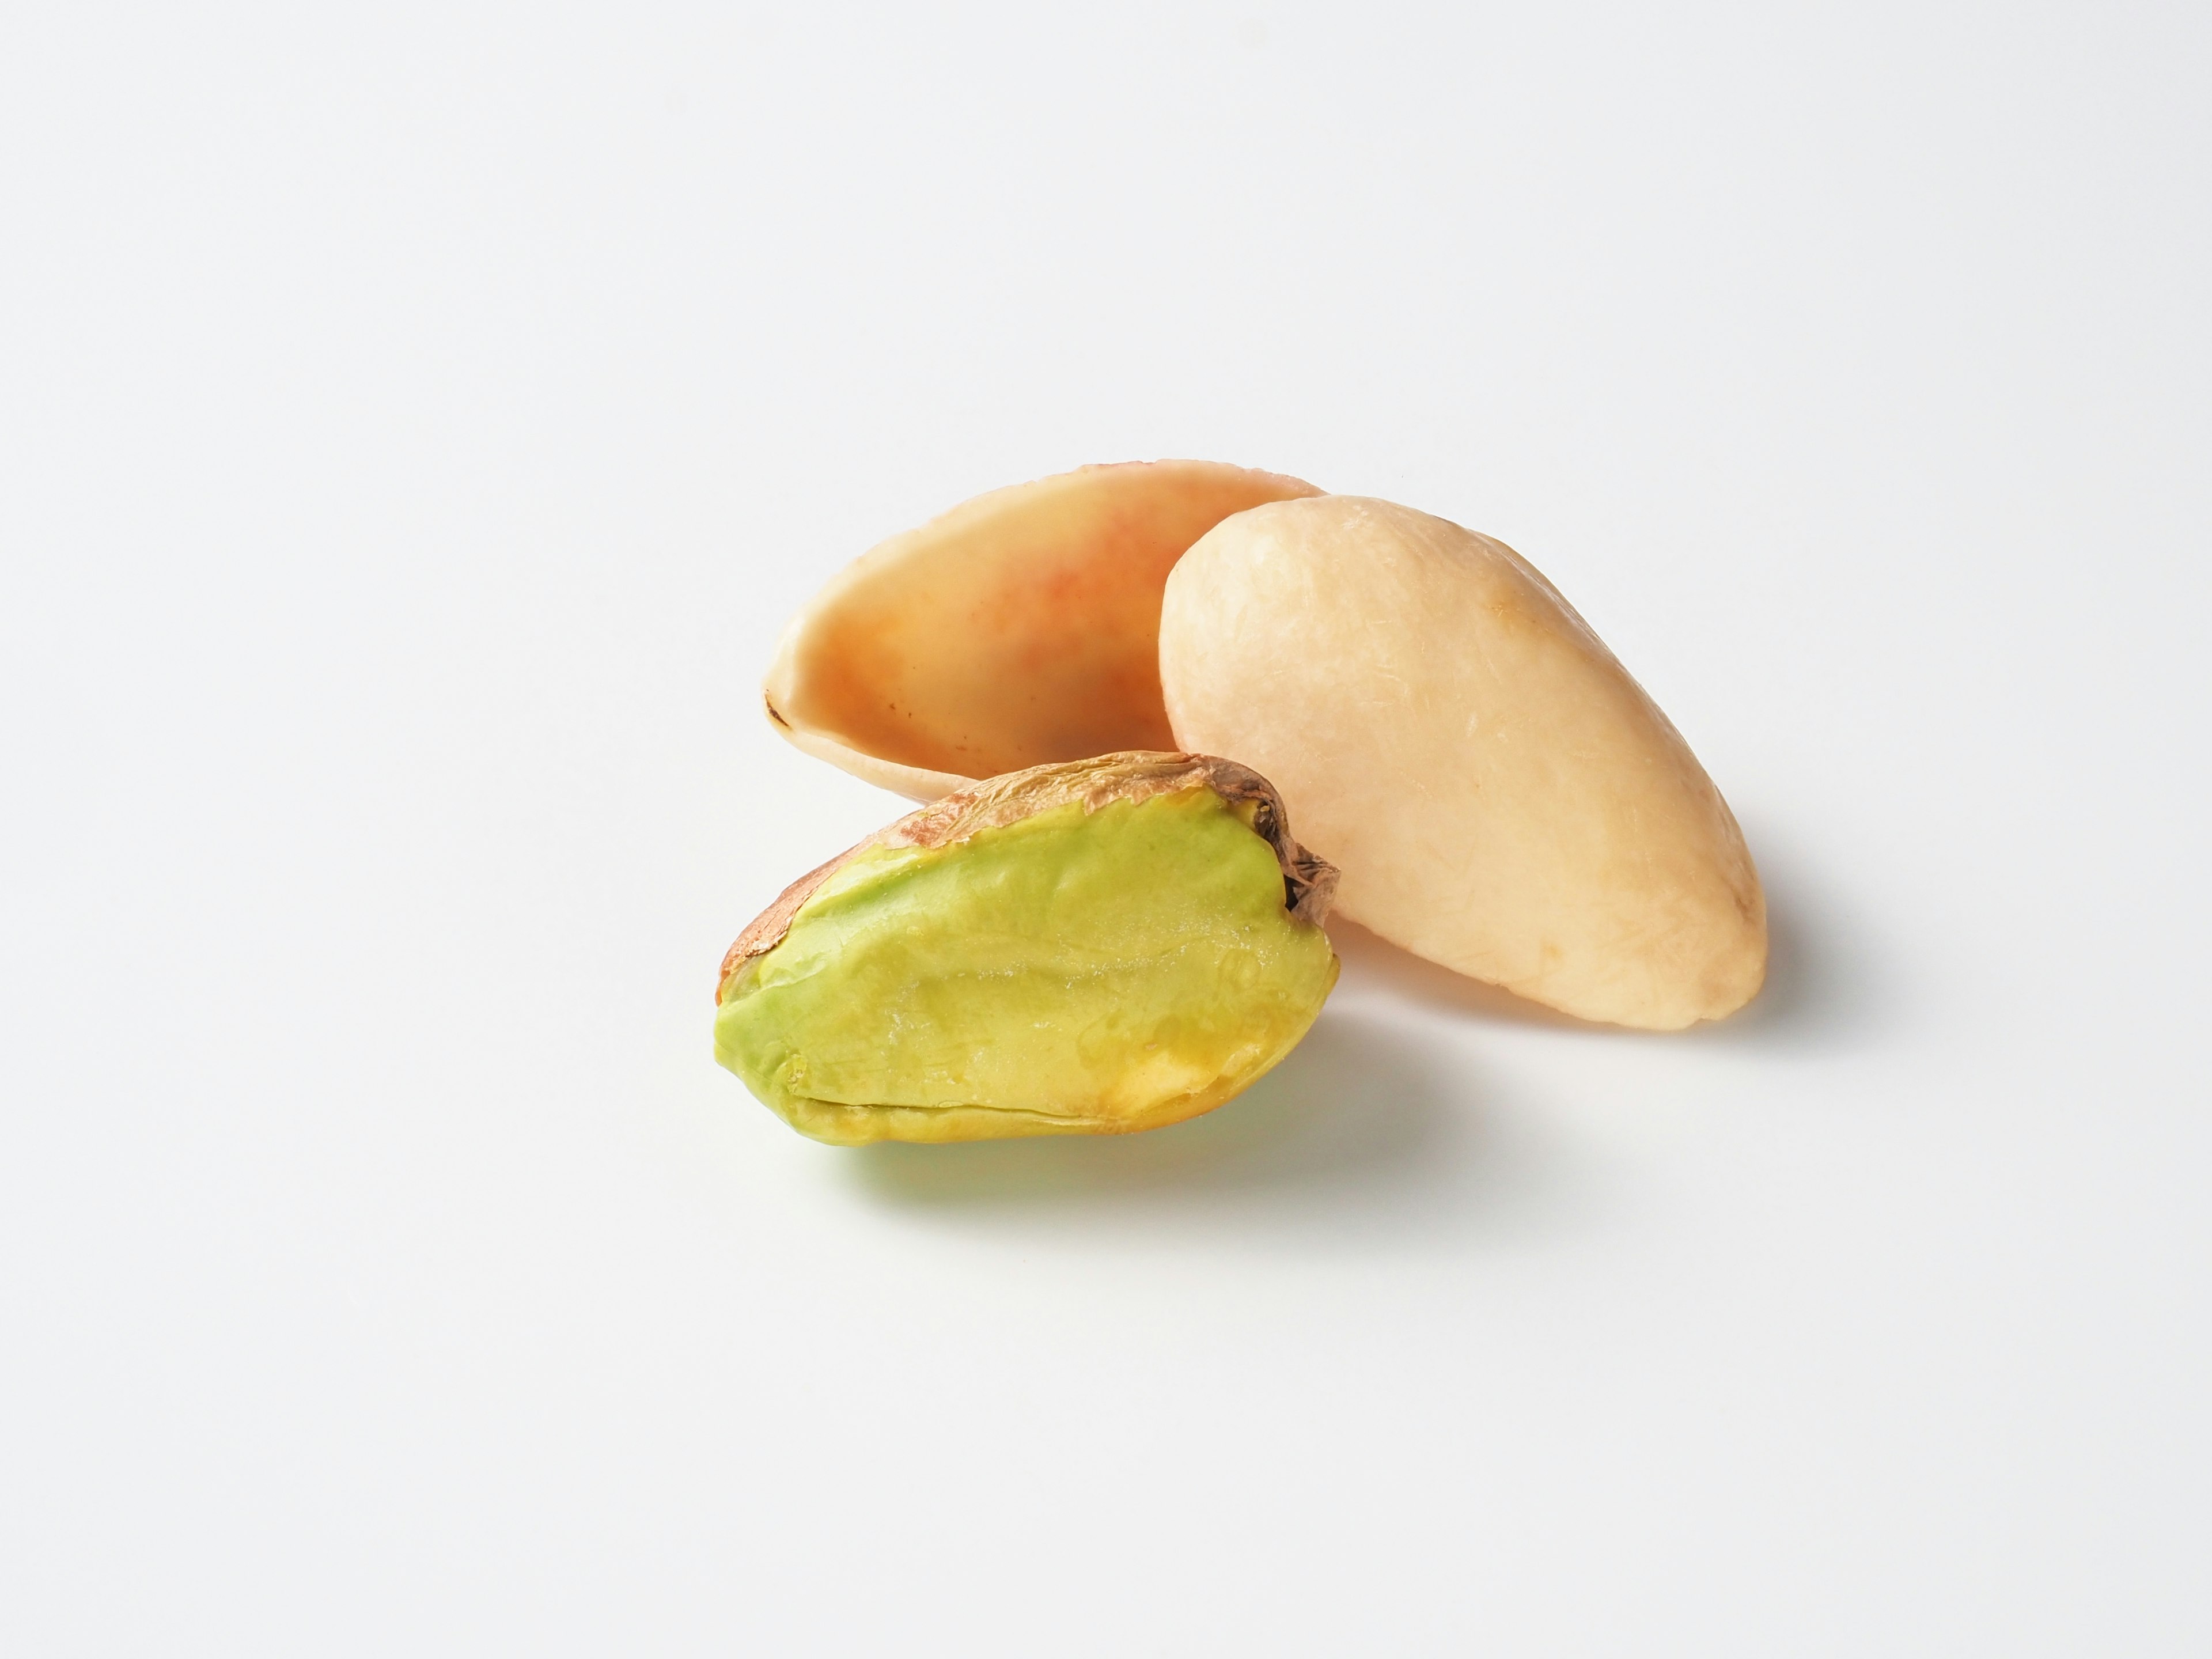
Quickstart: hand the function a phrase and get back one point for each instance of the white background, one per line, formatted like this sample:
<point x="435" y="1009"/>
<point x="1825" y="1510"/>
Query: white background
<point x="415" y="423"/>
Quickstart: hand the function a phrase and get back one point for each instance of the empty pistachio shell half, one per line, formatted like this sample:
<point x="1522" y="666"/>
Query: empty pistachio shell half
<point x="1084" y="949"/>
<point x="1017" y="630"/>
<point x="1501" y="797"/>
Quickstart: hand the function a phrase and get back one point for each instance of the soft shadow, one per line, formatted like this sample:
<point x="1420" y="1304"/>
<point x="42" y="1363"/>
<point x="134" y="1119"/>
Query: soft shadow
<point x="1367" y="1125"/>
<point x="1824" y="980"/>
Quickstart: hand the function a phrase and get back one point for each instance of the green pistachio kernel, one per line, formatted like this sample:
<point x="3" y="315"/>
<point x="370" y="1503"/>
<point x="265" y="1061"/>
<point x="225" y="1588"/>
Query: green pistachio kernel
<point x="1092" y="947"/>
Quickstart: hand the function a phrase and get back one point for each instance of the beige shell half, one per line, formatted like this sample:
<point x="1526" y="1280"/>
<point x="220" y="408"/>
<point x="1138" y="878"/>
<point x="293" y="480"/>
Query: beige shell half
<point x="1501" y="796"/>
<point x="1019" y="629"/>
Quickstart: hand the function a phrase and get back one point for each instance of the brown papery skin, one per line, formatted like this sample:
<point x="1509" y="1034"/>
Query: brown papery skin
<point x="1501" y="797"/>
<point x="1017" y="629"/>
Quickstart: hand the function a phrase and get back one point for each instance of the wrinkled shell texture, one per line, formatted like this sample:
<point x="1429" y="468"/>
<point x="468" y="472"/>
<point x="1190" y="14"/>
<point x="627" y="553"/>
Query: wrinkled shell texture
<point x="1086" y="949"/>
<point x="1019" y="629"/>
<point x="1501" y="797"/>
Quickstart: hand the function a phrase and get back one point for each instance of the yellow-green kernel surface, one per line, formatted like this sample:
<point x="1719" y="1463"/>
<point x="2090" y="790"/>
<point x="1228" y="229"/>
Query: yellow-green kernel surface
<point x="1079" y="971"/>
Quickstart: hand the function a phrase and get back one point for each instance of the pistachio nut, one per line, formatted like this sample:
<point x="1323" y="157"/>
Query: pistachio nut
<point x="1111" y="944"/>
<point x="1018" y="628"/>
<point x="1501" y="796"/>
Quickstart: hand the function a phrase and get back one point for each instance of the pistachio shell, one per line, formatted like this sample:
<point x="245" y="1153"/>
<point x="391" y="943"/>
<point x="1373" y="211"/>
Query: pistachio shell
<point x="1088" y="948"/>
<point x="1501" y="796"/>
<point x="1019" y="629"/>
